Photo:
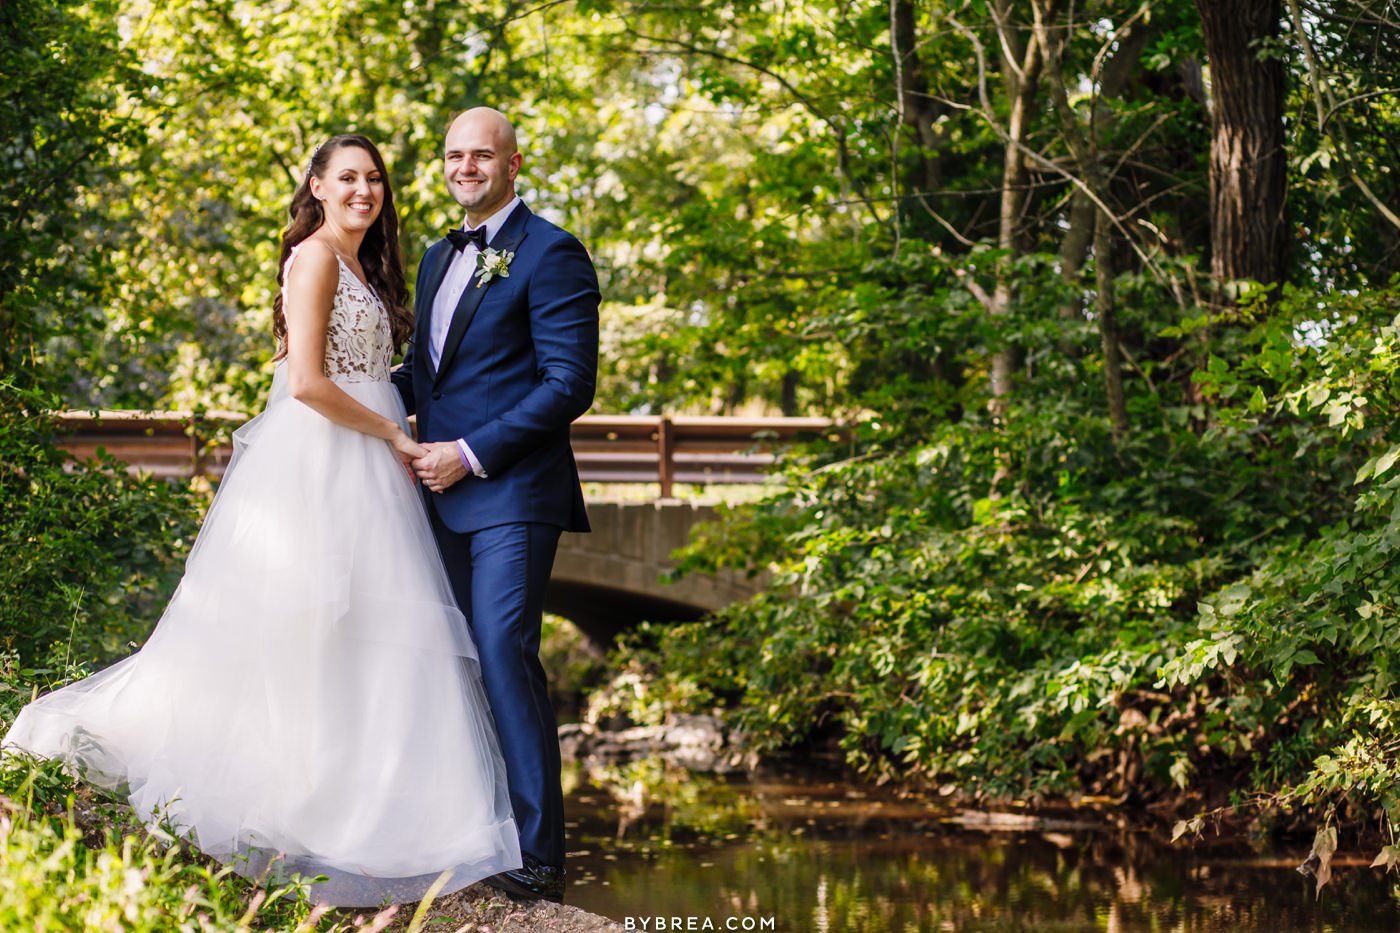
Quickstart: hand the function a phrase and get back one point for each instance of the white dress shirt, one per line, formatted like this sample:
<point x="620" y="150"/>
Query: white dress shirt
<point x="454" y="281"/>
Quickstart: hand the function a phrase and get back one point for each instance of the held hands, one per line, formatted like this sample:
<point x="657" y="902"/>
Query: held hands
<point x="439" y="466"/>
<point x="408" y="450"/>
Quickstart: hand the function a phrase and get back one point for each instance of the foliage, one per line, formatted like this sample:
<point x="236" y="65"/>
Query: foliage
<point x="1104" y="625"/>
<point x="1000" y="588"/>
<point x="69" y="86"/>
<point x="91" y="553"/>
<point x="883" y="214"/>
<point x="1306" y="640"/>
<point x="574" y="665"/>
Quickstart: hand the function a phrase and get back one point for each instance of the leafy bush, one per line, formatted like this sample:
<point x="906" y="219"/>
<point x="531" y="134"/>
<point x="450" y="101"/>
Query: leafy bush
<point x="1202" y="611"/>
<point x="90" y="553"/>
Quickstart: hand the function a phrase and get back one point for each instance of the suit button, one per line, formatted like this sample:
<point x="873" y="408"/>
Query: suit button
<point x="436" y="396"/>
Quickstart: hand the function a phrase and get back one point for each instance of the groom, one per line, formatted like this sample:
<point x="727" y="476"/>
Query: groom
<point x="504" y="356"/>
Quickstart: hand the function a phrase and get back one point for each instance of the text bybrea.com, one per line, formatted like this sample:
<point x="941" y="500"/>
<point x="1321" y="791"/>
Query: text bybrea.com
<point x="654" y="924"/>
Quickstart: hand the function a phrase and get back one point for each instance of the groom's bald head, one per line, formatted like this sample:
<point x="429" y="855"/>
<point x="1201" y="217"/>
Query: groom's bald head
<point x="490" y="121"/>
<point x="480" y="161"/>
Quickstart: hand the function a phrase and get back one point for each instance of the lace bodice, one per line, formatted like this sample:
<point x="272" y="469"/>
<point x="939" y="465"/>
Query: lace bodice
<point x="359" y="343"/>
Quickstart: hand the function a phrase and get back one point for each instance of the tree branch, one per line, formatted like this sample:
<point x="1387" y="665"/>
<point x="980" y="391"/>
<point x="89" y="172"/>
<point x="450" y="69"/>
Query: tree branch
<point x="1322" y="100"/>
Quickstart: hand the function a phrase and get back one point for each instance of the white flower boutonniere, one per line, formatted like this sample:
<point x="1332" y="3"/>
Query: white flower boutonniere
<point x="492" y="263"/>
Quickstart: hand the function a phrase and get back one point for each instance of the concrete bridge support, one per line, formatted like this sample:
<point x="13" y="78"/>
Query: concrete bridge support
<point x="608" y="581"/>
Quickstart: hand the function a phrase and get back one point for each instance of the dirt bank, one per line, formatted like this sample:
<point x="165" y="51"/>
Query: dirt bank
<point x="482" y="909"/>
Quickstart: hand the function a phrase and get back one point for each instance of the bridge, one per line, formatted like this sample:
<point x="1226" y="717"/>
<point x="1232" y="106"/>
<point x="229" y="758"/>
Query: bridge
<point x="604" y="582"/>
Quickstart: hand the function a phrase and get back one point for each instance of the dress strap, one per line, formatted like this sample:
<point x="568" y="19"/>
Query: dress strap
<point x="287" y="266"/>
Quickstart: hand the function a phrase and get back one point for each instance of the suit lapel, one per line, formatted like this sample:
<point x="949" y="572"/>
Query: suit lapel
<point x="508" y="238"/>
<point x="439" y="260"/>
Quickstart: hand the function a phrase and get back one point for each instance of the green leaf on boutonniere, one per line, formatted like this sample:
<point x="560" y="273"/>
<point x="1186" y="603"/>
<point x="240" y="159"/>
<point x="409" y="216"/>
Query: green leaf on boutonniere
<point x="492" y="263"/>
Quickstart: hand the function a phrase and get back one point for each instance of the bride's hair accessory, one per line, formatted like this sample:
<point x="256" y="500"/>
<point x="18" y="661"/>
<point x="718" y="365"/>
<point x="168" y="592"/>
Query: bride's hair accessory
<point x="310" y="162"/>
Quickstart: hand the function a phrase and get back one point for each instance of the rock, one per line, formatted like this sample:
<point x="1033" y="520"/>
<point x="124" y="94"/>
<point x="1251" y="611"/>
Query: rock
<point x="994" y="821"/>
<point x="574" y="738"/>
<point x="482" y="909"/>
<point x="698" y="732"/>
<point x="698" y="743"/>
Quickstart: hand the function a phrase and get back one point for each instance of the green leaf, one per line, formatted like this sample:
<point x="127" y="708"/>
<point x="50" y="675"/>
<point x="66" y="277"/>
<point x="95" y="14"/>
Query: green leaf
<point x="1304" y="657"/>
<point x="1386" y="461"/>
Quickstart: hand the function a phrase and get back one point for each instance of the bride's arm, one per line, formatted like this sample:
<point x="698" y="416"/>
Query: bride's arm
<point x="310" y="292"/>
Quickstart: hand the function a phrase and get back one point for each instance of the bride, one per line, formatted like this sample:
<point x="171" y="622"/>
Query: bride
<point x="311" y="701"/>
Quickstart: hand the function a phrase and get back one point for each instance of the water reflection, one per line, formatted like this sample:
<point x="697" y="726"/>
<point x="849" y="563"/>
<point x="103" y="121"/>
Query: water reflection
<point x="651" y="842"/>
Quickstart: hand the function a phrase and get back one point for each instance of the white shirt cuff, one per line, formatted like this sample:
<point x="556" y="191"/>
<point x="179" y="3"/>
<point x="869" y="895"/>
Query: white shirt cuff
<point x="471" y="458"/>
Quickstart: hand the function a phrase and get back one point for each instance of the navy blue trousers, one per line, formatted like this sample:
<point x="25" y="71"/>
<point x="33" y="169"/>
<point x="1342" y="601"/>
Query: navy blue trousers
<point x="498" y="575"/>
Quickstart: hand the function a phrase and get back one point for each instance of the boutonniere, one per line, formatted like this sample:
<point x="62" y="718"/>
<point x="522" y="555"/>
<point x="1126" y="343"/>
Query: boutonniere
<point x="491" y="263"/>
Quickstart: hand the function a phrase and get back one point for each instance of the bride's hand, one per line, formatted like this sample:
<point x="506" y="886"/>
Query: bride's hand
<point x="408" y="450"/>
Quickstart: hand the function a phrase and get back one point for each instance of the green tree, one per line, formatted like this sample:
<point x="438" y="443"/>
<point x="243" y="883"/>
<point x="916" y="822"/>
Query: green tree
<point x="66" y="94"/>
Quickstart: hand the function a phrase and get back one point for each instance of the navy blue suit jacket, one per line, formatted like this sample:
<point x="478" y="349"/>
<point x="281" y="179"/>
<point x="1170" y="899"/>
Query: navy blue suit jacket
<point x="519" y="364"/>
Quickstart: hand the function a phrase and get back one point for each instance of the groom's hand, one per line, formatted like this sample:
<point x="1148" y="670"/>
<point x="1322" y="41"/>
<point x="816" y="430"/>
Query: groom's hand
<point x="440" y="467"/>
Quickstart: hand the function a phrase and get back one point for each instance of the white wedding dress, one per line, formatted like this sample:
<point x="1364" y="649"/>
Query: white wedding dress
<point x="311" y="699"/>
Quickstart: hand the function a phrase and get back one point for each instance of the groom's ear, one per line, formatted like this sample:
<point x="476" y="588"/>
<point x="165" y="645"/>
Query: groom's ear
<point x="514" y="164"/>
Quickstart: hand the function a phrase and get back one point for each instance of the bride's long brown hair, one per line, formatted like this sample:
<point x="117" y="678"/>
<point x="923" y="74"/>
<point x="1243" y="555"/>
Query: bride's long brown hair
<point x="379" y="256"/>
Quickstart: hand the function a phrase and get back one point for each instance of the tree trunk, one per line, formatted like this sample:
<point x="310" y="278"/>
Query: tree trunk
<point x="788" y="401"/>
<point x="1247" y="157"/>
<point x="1083" y="215"/>
<point x="1074" y="248"/>
<point x="1086" y="145"/>
<point x="1020" y="67"/>
<point x="916" y="108"/>
<point x="1105" y="306"/>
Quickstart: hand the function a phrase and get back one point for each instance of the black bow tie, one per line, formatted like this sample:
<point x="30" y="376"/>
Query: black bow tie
<point x="459" y="238"/>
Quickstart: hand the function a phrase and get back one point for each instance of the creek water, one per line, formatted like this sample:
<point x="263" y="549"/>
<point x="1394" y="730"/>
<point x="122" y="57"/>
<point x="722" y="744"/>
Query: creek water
<point x="655" y="848"/>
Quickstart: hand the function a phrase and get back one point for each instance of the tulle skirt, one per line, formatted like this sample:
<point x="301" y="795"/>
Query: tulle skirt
<point x="311" y="700"/>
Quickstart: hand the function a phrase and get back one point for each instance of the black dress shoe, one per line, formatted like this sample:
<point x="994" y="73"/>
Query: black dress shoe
<point x="535" y="881"/>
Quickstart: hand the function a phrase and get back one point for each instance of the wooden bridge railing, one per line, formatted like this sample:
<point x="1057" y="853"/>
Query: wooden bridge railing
<point x="609" y="448"/>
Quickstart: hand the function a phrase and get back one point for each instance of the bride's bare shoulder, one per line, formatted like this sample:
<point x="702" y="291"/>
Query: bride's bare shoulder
<point x="315" y="261"/>
<point x="313" y="275"/>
